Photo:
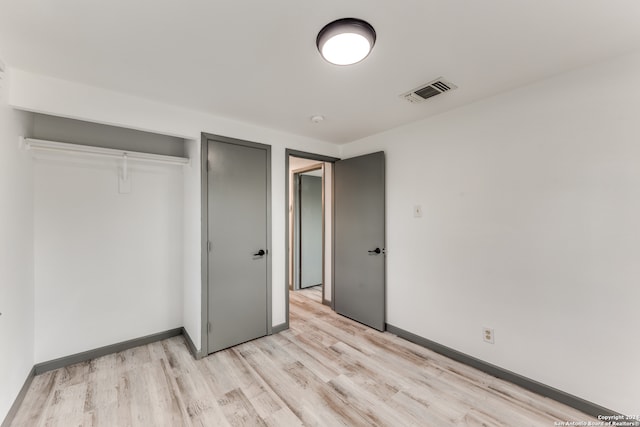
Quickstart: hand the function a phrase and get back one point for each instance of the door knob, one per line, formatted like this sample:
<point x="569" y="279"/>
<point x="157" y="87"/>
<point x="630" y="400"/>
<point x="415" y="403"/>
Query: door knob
<point x="261" y="252"/>
<point x="375" y="251"/>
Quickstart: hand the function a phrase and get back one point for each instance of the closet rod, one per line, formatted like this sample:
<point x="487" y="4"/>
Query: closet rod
<point x="41" y="144"/>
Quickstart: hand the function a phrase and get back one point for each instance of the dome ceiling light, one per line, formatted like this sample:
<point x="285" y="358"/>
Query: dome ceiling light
<point x="346" y="41"/>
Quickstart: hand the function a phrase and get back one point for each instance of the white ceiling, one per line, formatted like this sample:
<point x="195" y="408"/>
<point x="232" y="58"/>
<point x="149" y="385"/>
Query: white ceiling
<point x="256" y="60"/>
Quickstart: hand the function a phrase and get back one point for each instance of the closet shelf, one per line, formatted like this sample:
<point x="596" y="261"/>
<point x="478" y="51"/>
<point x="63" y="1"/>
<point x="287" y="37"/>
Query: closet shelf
<point x="44" y="145"/>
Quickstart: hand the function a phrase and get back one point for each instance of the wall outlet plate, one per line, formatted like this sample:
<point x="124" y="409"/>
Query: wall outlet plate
<point x="488" y="335"/>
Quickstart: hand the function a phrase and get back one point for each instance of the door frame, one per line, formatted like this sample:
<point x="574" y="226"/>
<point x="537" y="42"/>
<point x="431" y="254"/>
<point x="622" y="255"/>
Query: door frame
<point x="296" y="217"/>
<point x="310" y="156"/>
<point x="204" y="248"/>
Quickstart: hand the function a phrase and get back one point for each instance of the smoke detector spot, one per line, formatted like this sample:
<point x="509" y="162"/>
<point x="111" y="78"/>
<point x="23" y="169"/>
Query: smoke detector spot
<point x="317" y="119"/>
<point x="429" y="90"/>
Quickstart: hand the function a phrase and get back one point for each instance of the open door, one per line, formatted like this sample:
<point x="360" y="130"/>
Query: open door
<point x="359" y="266"/>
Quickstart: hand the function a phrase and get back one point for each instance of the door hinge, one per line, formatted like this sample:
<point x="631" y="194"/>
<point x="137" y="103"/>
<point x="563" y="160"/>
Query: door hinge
<point x="209" y="245"/>
<point x="208" y="327"/>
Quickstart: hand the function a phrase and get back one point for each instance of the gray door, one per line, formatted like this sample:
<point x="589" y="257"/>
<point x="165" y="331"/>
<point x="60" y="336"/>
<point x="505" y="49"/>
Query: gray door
<point x="237" y="224"/>
<point x="310" y="230"/>
<point x="359" y="267"/>
<point x="296" y="231"/>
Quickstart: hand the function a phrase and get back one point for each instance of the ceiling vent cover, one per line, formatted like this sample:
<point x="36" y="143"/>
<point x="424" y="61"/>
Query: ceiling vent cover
<point x="424" y="92"/>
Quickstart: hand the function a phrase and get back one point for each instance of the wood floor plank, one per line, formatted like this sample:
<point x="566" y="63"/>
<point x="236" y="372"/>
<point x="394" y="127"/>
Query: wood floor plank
<point x="202" y="409"/>
<point x="265" y="401"/>
<point x="284" y="343"/>
<point x="292" y="384"/>
<point x="238" y="409"/>
<point x="422" y="412"/>
<point x="67" y="406"/>
<point x="36" y="400"/>
<point x="371" y="407"/>
<point x="283" y="417"/>
<point x="313" y="293"/>
<point x="326" y="370"/>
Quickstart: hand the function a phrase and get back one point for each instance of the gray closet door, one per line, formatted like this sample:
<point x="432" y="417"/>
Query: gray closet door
<point x="237" y="203"/>
<point x="359" y="265"/>
<point x="310" y="230"/>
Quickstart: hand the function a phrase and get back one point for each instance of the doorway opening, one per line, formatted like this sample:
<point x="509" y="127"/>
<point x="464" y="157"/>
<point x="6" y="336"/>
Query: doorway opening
<point x="307" y="231"/>
<point x="309" y="225"/>
<point x="354" y="270"/>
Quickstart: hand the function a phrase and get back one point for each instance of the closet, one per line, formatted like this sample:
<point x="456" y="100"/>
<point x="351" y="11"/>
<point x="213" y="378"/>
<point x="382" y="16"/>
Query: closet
<point x="108" y="234"/>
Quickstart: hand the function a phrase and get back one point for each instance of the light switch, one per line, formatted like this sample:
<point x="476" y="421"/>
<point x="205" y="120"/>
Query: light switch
<point x="417" y="211"/>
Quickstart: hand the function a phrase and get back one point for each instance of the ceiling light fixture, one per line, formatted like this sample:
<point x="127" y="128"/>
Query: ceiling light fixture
<point x="346" y="41"/>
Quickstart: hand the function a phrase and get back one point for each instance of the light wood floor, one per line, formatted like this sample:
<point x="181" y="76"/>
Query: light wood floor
<point x="314" y="293"/>
<point x="326" y="371"/>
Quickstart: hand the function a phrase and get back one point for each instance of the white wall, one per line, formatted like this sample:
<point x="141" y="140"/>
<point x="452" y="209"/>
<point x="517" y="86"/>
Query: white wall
<point x="38" y="93"/>
<point x="108" y="266"/>
<point x="191" y="313"/>
<point x="531" y="203"/>
<point x="16" y="255"/>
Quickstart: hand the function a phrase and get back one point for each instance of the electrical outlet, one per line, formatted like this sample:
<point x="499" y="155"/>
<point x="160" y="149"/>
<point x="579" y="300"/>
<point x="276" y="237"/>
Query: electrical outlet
<point x="488" y="335"/>
<point x="417" y="211"/>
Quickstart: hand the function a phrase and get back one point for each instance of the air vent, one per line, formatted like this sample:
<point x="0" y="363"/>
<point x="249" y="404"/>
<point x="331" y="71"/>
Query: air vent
<point x="424" y="92"/>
